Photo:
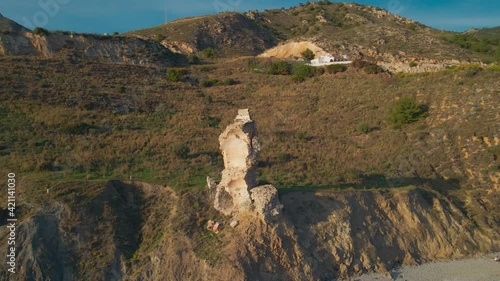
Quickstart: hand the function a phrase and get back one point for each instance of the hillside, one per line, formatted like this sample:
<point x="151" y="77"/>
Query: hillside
<point x="391" y="160"/>
<point x="135" y="231"/>
<point x="338" y="28"/>
<point x="8" y="26"/>
<point x="359" y="195"/>
<point x="231" y="34"/>
<point x="16" y="40"/>
<point x="485" y="42"/>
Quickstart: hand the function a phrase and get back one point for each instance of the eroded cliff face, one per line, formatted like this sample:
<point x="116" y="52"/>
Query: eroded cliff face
<point x="111" y="49"/>
<point x="137" y="231"/>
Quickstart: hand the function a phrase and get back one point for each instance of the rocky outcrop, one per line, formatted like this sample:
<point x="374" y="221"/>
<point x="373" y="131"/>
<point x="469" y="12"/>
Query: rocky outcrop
<point x="266" y="202"/>
<point x="18" y="41"/>
<point x="237" y="191"/>
<point x="230" y="34"/>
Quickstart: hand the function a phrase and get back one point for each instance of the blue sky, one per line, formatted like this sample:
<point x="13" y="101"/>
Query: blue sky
<point x="100" y="16"/>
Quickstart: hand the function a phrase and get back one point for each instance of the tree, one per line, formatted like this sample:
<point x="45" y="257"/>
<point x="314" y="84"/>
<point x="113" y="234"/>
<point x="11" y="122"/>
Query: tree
<point x="41" y="31"/>
<point x="405" y="111"/>
<point x="307" y="54"/>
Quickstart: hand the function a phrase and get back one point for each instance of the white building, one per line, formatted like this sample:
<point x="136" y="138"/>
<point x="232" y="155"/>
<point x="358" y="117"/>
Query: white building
<point x="328" y="59"/>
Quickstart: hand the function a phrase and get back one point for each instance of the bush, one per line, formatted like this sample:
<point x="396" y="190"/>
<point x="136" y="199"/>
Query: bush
<point x="216" y="82"/>
<point x="77" y="129"/>
<point x="413" y="64"/>
<point x="229" y="82"/>
<point x="304" y="71"/>
<point x="210" y="82"/>
<point x="175" y="74"/>
<point x="209" y="53"/>
<point x="41" y="31"/>
<point x="280" y="68"/>
<point x="471" y="69"/>
<point x="373" y="69"/>
<point x="213" y="122"/>
<point x="193" y="59"/>
<point x="285" y="157"/>
<point x="298" y="79"/>
<point x="495" y="67"/>
<point x="307" y="54"/>
<point x="405" y="111"/>
<point x="336" y="68"/>
<point x="181" y="151"/>
<point x="364" y="128"/>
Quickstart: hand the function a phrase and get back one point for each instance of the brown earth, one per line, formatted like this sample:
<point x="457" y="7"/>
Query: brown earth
<point x="136" y="231"/>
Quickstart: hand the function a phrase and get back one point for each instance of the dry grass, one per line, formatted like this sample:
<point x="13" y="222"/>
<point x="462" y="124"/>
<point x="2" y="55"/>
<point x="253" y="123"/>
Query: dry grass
<point x="96" y="121"/>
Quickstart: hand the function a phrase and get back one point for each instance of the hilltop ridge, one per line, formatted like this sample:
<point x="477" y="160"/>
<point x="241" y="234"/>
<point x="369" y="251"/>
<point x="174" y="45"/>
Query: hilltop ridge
<point x="339" y="28"/>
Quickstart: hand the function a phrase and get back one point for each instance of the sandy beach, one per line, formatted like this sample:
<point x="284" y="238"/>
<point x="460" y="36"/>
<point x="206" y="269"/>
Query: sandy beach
<point x="482" y="268"/>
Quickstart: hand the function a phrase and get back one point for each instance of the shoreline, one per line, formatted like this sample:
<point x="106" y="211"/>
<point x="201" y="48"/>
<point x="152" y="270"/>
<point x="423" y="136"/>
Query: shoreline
<point x="479" y="268"/>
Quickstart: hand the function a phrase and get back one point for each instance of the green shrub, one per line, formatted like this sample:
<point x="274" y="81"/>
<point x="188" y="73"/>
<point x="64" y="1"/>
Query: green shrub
<point x="495" y="150"/>
<point x="405" y="111"/>
<point x="307" y="54"/>
<point x="280" y="68"/>
<point x="77" y="129"/>
<point x="216" y="82"/>
<point x="176" y="74"/>
<point x="41" y="31"/>
<point x="336" y="68"/>
<point x="193" y="59"/>
<point x="207" y="68"/>
<point x="210" y="82"/>
<point x="229" y="81"/>
<point x="304" y="71"/>
<point x="209" y="53"/>
<point x="285" y="157"/>
<point x="470" y="69"/>
<point x="364" y="128"/>
<point x="413" y="64"/>
<point x="182" y="151"/>
<point x="298" y="79"/>
<point x="495" y="67"/>
<point x="373" y="69"/>
<point x="213" y="122"/>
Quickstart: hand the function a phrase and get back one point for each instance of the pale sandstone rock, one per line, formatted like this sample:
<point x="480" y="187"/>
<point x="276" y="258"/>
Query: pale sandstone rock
<point x="234" y="224"/>
<point x="236" y="191"/>
<point x="266" y="202"/>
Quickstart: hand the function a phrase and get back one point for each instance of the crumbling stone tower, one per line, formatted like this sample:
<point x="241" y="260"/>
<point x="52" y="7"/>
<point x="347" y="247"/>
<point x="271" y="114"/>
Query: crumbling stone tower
<point x="237" y="191"/>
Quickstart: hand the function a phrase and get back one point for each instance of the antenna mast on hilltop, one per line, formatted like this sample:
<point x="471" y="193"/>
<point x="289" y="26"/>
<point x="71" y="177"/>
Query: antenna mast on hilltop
<point x="165" y="12"/>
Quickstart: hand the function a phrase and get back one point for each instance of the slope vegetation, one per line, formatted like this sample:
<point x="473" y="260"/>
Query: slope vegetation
<point x="338" y="28"/>
<point x="231" y="34"/>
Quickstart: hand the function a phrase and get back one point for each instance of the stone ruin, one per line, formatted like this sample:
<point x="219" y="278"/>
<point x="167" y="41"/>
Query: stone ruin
<point x="237" y="191"/>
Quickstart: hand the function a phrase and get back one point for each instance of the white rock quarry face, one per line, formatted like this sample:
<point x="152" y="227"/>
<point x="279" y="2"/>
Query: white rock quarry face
<point x="236" y="191"/>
